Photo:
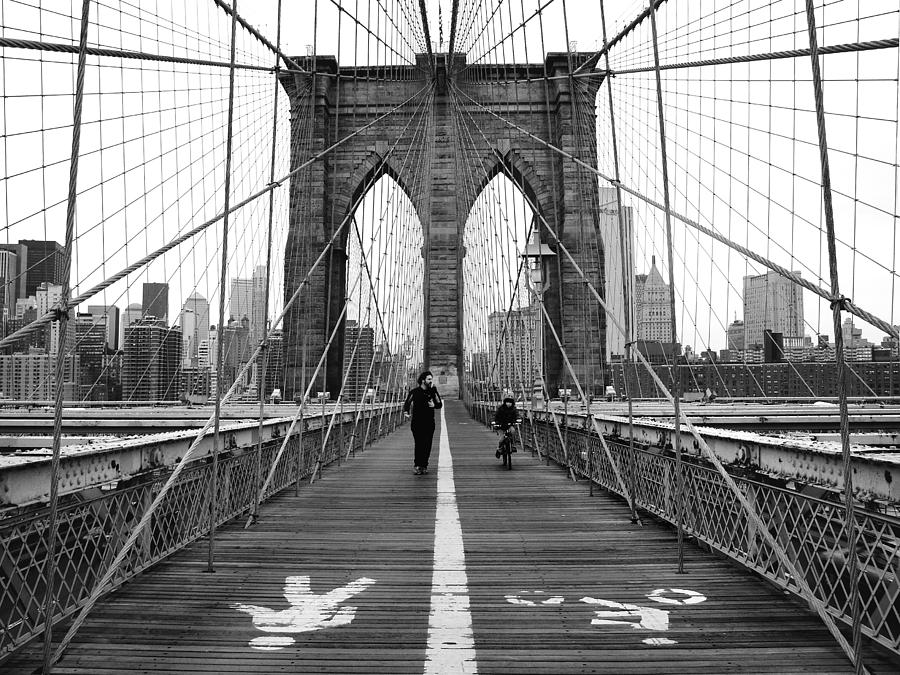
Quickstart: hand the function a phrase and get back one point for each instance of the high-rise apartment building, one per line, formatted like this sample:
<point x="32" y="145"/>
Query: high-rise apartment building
<point x="652" y="308"/>
<point x="773" y="303"/>
<point x="155" y="301"/>
<point x="46" y="261"/>
<point x="32" y="376"/>
<point x="150" y="370"/>
<point x="359" y="350"/>
<point x="517" y="349"/>
<point x="109" y="314"/>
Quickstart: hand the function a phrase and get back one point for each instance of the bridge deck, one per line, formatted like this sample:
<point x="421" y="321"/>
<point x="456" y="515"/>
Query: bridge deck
<point x="529" y="535"/>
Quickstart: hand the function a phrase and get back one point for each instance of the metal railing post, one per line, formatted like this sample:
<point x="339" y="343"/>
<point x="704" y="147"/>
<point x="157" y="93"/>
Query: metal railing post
<point x="676" y="393"/>
<point x="63" y="316"/>
<point x="837" y="305"/>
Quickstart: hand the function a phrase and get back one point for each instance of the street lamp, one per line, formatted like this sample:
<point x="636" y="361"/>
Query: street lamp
<point x="538" y="256"/>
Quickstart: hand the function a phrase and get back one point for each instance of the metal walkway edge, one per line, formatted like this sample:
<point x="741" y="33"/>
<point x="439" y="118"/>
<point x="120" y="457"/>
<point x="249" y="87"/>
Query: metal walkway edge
<point x="340" y="580"/>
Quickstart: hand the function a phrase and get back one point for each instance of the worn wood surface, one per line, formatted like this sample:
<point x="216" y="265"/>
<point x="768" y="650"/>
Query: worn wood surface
<point x="529" y="533"/>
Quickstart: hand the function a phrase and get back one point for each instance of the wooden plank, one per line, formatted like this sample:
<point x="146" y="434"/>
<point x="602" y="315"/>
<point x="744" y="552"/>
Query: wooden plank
<point x="526" y="530"/>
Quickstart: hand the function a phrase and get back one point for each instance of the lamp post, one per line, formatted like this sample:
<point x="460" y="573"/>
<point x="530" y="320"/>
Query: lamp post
<point x="538" y="256"/>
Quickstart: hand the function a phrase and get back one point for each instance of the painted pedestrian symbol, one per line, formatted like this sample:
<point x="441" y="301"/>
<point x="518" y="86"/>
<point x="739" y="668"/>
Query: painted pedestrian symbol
<point x="637" y="617"/>
<point x="308" y="611"/>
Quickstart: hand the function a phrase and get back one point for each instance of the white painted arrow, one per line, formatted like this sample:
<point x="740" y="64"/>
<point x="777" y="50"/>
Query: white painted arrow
<point x="308" y="611"/>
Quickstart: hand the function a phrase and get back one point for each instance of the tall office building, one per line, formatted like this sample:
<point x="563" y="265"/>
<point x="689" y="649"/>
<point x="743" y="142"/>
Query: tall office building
<point x="652" y="309"/>
<point x="619" y="269"/>
<point x="150" y="371"/>
<point x="110" y="316"/>
<point x="46" y="260"/>
<point x="275" y="363"/>
<point x="773" y="303"/>
<point x="259" y="309"/>
<point x="156" y="301"/>
<point x="359" y="343"/>
<point x="131" y="314"/>
<point x="237" y="347"/>
<point x="90" y="347"/>
<point x="9" y="284"/>
<point x="47" y="297"/>
<point x="735" y="336"/>
<point x="194" y="326"/>
<point x="240" y="302"/>
<point x="21" y="252"/>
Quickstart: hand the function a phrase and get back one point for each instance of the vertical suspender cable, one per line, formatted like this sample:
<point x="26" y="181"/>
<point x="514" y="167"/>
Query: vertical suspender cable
<point x="223" y="277"/>
<point x="50" y="561"/>
<point x="627" y="270"/>
<point x="836" y="307"/>
<point x="676" y="393"/>
<point x="262" y="363"/>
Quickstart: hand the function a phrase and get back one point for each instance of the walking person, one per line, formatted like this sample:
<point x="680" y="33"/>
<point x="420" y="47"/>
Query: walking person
<point x="421" y="402"/>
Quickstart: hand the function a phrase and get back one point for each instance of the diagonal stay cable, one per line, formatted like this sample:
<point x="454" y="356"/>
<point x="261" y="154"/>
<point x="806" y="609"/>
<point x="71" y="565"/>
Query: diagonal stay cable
<point x="312" y="379"/>
<point x="780" y="553"/>
<point x="846" y="303"/>
<point x="51" y="314"/>
<point x="145" y="519"/>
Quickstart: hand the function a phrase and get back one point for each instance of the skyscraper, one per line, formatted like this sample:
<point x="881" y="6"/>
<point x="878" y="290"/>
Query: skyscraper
<point x="357" y="372"/>
<point x="150" y="371"/>
<point x="240" y="302"/>
<point x="259" y="309"/>
<point x="194" y="325"/>
<point x="619" y="270"/>
<point x="516" y="348"/>
<point x="47" y="296"/>
<point x="131" y="314"/>
<point x="9" y="286"/>
<point x="45" y="264"/>
<point x="653" y="311"/>
<point x="110" y="314"/>
<point x="21" y="252"/>
<point x="774" y="303"/>
<point x="736" y="336"/>
<point x="156" y="301"/>
<point x="90" y="347"/>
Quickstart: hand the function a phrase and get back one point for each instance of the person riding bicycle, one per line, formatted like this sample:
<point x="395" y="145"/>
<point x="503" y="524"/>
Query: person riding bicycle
<point x="506" y="417"/>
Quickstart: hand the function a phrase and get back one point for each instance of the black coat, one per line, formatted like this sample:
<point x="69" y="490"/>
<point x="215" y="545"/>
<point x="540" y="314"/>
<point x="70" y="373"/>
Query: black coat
<point x="506" y="417"/>
<point x="416" y="405"/>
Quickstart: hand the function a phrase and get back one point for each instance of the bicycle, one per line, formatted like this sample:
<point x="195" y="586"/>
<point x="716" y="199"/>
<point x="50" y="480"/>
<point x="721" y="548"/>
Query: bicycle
<point x="507" y="443"/>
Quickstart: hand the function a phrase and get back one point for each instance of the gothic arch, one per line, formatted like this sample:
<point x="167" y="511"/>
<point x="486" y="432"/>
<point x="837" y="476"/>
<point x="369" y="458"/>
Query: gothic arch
<point x="364" y="177"/>
<point x="522" y="174"/>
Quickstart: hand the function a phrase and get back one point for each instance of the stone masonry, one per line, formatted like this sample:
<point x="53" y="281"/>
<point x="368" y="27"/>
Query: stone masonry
<point x="442" y="160"/>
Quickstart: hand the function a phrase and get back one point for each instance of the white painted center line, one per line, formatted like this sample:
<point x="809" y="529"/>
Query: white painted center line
<point x="451" y="644"/>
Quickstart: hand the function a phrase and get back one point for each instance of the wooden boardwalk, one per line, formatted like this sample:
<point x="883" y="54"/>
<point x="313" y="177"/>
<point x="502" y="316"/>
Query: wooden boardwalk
<point x="542" y="561"/>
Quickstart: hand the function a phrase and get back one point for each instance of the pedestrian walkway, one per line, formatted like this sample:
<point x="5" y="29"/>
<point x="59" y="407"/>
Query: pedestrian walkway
<point x="470" y="568"/>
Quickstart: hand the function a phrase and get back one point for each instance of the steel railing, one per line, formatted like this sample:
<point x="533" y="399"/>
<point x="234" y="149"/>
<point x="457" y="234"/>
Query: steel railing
<point x="809" y="529"/>
<point x="92" y="530"/>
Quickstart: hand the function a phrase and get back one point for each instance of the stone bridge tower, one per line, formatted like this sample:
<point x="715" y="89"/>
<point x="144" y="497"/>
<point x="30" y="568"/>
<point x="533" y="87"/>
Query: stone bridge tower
<point x="339" y="101"/>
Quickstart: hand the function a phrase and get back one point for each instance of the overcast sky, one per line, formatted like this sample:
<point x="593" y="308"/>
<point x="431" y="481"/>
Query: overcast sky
<point x="741" y="138"/>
